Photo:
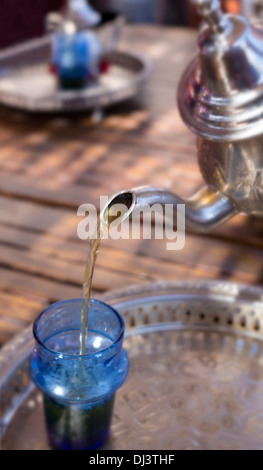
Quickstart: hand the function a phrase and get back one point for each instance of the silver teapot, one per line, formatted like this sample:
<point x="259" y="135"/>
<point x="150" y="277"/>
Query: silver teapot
<point x="220" y="98"/>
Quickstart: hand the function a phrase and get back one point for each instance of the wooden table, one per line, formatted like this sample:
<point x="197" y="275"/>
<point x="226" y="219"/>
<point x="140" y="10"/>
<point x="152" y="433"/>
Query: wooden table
<point x="49" y="166"/>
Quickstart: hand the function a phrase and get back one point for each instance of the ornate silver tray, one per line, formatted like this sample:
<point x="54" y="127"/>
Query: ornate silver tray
<point x="27" y="84"/>
<point x="196" y="372"/>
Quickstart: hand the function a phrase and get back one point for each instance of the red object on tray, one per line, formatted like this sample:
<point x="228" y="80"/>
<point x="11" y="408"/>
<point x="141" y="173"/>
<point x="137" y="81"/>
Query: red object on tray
<point x="104" y="66"/>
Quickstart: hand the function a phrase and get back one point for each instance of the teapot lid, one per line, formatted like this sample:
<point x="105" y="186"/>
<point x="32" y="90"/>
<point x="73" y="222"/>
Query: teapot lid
<point x="220" y="95"/>
<point x="82" y="13"/>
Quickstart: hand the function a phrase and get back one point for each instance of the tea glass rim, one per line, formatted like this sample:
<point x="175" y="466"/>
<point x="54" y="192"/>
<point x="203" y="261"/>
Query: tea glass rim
<point x="78" y="356"/>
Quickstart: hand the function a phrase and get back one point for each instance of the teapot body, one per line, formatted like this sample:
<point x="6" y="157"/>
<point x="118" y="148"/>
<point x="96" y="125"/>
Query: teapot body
<point x="236" y="170"/>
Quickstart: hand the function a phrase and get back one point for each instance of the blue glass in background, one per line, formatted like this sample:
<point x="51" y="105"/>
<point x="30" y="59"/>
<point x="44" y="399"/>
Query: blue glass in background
<point x="78" y="390"/>
<point x="71" y="58"/>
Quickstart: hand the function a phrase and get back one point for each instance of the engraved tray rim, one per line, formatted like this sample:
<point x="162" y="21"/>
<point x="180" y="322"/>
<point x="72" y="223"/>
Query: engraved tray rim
<point x="15" y="354"/>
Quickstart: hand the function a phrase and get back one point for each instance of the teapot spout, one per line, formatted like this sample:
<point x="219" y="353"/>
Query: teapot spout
<point x="205" y="211"/>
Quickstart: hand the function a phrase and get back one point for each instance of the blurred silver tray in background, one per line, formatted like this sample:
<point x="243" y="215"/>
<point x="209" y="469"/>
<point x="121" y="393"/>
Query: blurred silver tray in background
<point x="196" y="371"/>
<point x="27" y="84"/>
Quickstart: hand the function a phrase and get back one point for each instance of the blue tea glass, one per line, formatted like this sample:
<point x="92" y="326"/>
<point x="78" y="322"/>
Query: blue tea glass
<point x="71" y="57"/>
<point x="78" y="390"/>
